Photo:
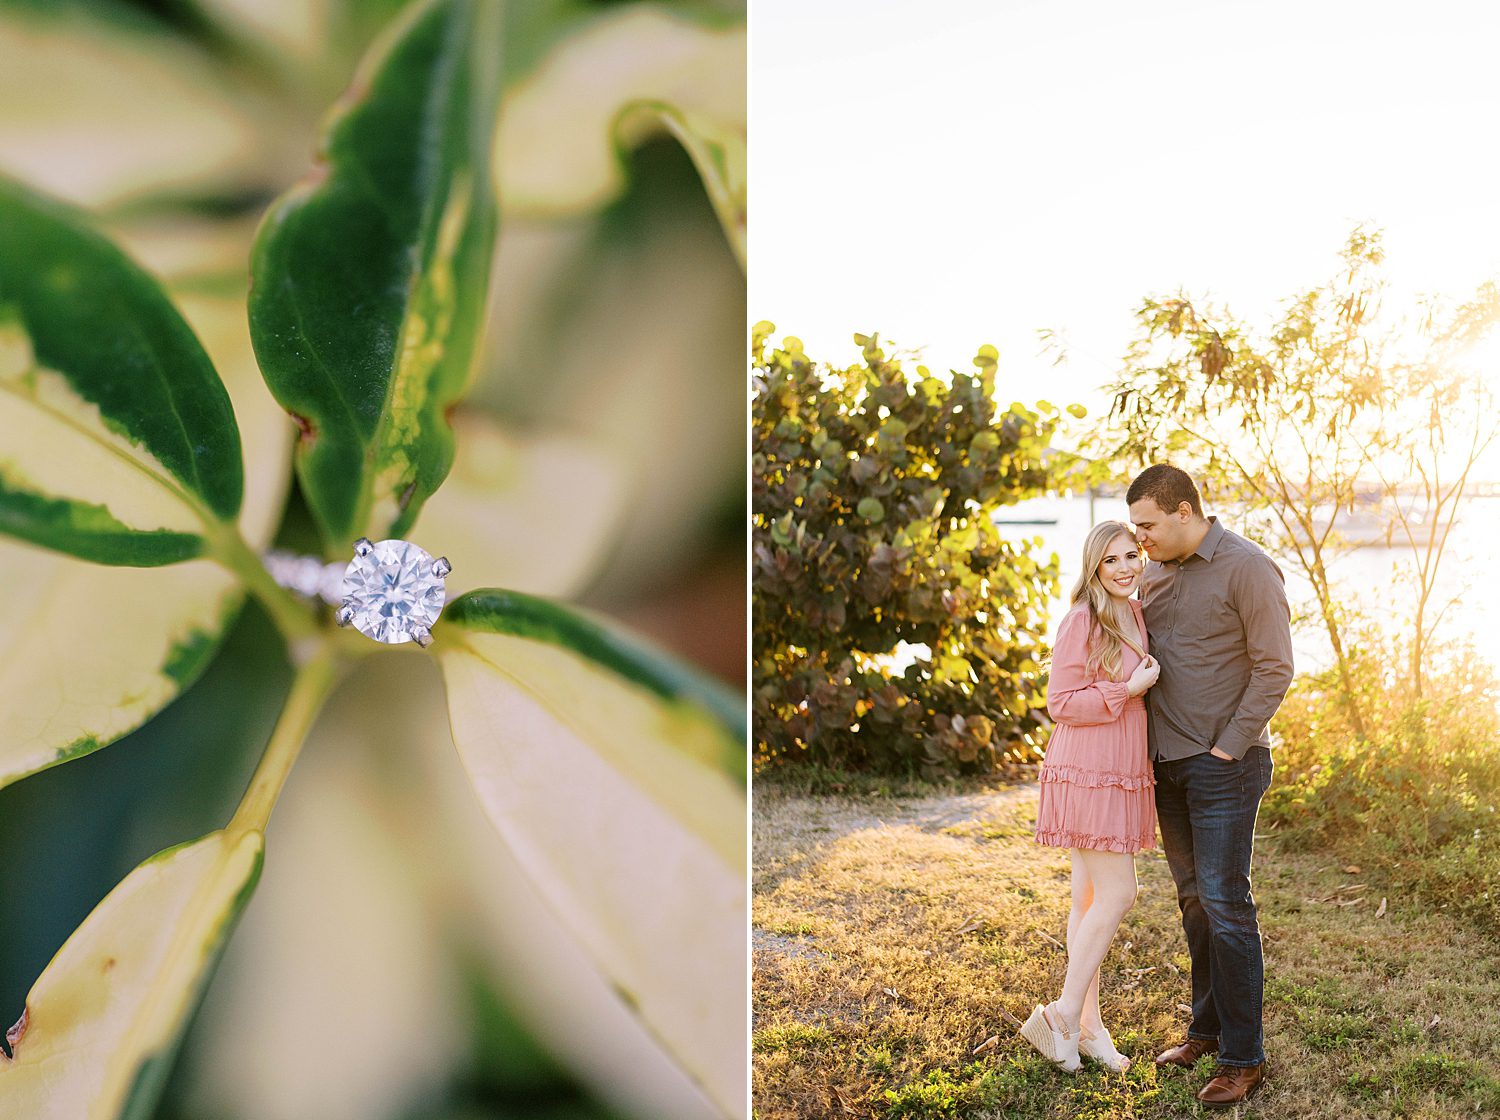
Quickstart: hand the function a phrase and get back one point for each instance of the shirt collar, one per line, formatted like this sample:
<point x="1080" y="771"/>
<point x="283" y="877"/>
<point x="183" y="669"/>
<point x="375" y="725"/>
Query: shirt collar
<point x="1210" y="543"/>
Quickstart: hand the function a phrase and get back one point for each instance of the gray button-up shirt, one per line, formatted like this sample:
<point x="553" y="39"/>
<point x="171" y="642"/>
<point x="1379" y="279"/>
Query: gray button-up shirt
<point x="1219" y="624"/>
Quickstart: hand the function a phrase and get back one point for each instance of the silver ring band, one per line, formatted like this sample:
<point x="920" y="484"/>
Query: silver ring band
<point x="307" y="575"/>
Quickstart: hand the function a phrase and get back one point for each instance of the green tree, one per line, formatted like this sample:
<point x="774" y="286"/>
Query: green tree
<point x="873" y="497"/>
<point x="1335" y="406"/>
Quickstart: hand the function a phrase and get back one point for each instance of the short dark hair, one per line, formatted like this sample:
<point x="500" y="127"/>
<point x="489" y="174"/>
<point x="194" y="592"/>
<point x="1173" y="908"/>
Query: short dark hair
<point x="1167" y="486"/>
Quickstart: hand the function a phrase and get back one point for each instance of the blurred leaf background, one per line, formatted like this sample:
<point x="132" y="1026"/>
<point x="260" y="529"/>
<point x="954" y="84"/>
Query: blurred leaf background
<point x="379" y="972"/>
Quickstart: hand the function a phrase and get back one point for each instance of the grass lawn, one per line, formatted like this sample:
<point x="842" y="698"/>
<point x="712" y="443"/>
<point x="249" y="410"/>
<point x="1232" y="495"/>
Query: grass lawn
<point x="894" y="937"/>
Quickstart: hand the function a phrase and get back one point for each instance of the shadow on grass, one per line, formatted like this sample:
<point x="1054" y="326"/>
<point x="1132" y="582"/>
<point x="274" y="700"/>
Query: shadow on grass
<point x="894" y="945"/>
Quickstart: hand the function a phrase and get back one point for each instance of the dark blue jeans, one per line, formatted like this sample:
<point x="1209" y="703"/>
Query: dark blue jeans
<point x="1206" y="807"/>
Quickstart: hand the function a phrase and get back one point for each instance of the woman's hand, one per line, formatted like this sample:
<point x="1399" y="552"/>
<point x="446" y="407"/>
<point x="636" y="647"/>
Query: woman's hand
<point x="1144" y="676"/>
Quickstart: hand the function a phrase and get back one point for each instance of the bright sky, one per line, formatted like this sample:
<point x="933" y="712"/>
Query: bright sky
<point x="954" y="172"/>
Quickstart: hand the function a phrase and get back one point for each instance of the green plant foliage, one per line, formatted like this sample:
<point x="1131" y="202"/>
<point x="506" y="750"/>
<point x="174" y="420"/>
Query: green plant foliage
<point x="1336" y="405"/>
<point x="873" y="493"/>
<point x="369" y="279"/>
<point x="150" y="630"/>
<point x="976" y="1088"/>
<point x="120" y="443"/>
<point x="648" y="864"/>
<point x="156" y="937"/>
<point x="717" y="150"/>
<point x="623" y="654"/>
<point x="1417" y="795"/>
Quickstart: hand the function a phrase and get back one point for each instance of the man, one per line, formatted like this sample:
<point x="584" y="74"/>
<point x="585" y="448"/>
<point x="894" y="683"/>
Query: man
<point x="1216" y="612"/>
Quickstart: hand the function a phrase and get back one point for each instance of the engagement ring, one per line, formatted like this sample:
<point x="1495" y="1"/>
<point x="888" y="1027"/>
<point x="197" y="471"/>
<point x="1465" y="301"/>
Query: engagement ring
<point x="392" y="591"/>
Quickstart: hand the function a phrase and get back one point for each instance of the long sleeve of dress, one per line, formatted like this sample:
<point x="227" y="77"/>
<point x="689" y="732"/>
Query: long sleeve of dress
<point x="1074" y="697"/>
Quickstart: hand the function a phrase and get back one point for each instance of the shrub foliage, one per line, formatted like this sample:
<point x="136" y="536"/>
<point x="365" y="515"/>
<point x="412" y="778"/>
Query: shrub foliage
<point x="873" y="496"/>
<point x="1416" y="800"/>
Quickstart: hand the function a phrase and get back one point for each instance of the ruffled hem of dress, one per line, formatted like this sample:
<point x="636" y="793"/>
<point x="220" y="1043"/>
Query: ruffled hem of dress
<point x="1063" y="839"/>
<point x="1094" y="779"/>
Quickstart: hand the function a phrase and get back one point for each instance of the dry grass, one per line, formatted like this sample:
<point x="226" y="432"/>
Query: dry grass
<point x="894" y="936"/>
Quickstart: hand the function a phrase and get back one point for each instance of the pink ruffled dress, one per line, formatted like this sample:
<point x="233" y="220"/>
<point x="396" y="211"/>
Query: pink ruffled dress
<point x="1096" y="778"/>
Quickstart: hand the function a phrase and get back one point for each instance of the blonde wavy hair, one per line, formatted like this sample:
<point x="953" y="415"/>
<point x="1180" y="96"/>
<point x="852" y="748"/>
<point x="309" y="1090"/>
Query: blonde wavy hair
<point x="1112" y="624"/>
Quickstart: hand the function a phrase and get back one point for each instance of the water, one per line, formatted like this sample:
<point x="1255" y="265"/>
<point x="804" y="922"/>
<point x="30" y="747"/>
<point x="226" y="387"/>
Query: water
<point x="1370" y="577"/>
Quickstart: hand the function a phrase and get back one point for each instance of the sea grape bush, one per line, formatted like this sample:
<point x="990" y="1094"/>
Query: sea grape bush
<point x="873" y="493"/>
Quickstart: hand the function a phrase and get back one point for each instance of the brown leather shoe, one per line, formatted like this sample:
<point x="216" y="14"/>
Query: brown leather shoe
<point x="1186" y="1053"/>
<point x="1231" y="1085"/>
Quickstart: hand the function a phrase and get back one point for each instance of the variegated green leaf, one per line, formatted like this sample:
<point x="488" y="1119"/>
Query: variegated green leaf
<point x="531" y="512"/>
<point x="557" y="153"/>
<point x="616" y="776"/>
<point x="96" y="112"/>
<point x="341" y="895"/>
<point x="88" y="653"/>
<point x="382" y="853"/>
<point x="717" y="149"/>
<point x="370" y="278"/>
<point x="119" y="441"/>
<point x="636" y="317"/>
<point x="176" y="24"/>
<point x="103" y="1022"/>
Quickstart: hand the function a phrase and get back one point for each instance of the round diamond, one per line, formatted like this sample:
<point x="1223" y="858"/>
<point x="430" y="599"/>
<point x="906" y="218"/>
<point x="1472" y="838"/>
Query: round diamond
<point x="392" y="592"/>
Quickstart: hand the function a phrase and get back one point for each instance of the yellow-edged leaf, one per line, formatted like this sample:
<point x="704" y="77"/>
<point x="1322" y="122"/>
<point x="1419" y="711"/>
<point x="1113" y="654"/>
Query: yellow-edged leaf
<point x="338" y="945"/>
<point x="370" y="276"/>
<point x="383" y="853"/>
<point x="103" y="1022"/>
<point x="717" y="149"/>
<point x="556" y="151"/>
<point x="641" y="351"/>
<point x="613" y="783"/>
<point x="95" y="114"/>
<point x="528" y="512"/>
<point x="120" y="441"/>
<point x="96" y="651"/>
<point x="89" y="652"/>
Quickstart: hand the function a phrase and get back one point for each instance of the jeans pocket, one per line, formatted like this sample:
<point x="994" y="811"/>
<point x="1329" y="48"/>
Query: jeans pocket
<point x="1231" y="778"/>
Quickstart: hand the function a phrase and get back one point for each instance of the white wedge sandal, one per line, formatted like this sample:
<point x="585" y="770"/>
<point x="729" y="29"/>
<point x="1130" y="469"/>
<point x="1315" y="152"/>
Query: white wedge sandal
<point x="1101" y="1048"/>
<point x="1059" y="1046"/>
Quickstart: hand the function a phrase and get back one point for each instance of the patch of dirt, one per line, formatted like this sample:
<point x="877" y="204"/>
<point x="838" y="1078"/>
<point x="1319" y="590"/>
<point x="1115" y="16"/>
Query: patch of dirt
<point x="789" y="829"/>
<point x="763" y="940"/>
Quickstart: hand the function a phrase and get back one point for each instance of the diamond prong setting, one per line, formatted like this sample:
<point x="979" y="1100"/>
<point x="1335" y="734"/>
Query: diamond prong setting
<point x="344" y="615"/>
<point x="393" y="591"/>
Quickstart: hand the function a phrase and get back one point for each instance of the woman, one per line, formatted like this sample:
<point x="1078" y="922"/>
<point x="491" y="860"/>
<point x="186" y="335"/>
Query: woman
<point x="1096" y="784"/>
